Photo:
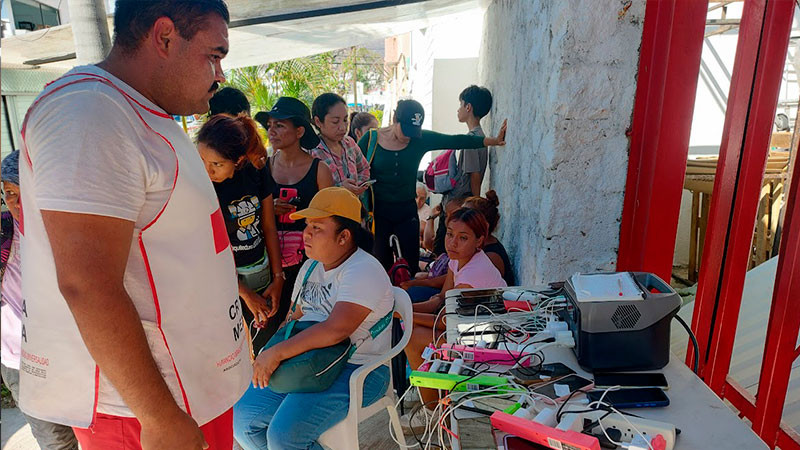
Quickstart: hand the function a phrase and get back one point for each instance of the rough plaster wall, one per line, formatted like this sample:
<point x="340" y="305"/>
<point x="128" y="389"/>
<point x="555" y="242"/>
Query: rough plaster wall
<point x="564" y="74"/>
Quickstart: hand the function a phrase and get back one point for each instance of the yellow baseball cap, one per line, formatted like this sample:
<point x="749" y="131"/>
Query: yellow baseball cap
<point x="331" y="201"/>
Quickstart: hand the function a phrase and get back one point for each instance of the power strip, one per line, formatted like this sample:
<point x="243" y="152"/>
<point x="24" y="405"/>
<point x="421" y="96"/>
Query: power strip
<point x="450" y="382"/>
<point x="485" y="355"/>
<point x="542" y="434"/>
<point x="649" y="428"/>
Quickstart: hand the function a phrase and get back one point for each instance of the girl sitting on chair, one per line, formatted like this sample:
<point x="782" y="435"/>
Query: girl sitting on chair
<point x="345" y="290"/>
<point x="469" y="267"/>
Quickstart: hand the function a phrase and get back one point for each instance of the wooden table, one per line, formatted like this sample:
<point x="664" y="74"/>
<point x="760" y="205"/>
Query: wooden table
<point x="704" y="420"/>
<point x="771" y="201"/>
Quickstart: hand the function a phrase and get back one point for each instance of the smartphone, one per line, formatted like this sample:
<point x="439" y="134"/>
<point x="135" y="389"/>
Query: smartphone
<point x="562" y="387"/>
<point x="471" y="301"/>
<point x="483" y="309"/>
<point x="367" y="183"/>
<point x="511" y="442"/>
<point x="286" y="194"/>
<point x="530" y="375"/>
<point x="630" y="380"/>
<point x="632" y="398"/>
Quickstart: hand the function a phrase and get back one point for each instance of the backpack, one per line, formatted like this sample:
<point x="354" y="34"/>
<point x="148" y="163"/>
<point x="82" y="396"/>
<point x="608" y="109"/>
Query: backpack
<point x="440" y="176"/>
<point x="400" y="271"/>
<point x="368" y="197"/>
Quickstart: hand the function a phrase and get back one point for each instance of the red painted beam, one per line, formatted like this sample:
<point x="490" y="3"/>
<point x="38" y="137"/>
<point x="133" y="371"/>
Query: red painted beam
<point x="742" y="400"/>
<point x="669" y="64"/>
<point x="755" y="84"/>
<point x="784" y="317"/>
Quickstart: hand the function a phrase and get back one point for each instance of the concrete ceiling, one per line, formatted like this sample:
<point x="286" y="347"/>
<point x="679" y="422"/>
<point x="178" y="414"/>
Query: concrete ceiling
<point x="263" y="31"/>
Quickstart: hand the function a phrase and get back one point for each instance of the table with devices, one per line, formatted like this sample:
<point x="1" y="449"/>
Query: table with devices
<point x="582" y="365"/>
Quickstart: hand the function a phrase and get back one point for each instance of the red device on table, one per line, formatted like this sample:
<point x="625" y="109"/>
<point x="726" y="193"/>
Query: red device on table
<point x="287" y="194"/>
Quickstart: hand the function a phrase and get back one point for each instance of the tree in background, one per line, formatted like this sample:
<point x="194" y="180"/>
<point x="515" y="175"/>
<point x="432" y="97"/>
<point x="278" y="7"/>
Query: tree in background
<point x="307" y="77"/>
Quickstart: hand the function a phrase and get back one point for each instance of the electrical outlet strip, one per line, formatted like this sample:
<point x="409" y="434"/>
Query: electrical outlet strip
<point x="493" y="356"/>
<point x="451" y="382"/>
<point x="649" y="428"/>
<point x="542" y="434"/>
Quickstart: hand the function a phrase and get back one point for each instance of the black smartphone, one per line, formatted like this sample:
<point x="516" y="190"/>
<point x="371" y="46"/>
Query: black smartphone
<point x="632" y="398"/>
<point x="470" y="301"/>
<point x="482" y="309"/>
<point x="531" y="374"/>
<point x="562" y="387"/>
<point x="630" y="380"/>
<point x="511" y="442"/>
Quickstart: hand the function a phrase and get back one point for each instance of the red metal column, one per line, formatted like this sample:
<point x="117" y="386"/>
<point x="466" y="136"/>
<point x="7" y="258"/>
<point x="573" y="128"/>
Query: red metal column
<point x="755" y="85"/>
<point x="784" y="322"/>
<point x="669" y="64"/>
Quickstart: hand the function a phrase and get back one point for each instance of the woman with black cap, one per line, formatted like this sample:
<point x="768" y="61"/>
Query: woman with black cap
<point x="394" y="154"/>
<point x="298" y="177"/>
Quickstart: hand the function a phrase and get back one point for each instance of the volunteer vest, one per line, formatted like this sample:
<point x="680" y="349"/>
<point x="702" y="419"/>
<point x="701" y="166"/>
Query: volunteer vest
<point x="198" y="329"/>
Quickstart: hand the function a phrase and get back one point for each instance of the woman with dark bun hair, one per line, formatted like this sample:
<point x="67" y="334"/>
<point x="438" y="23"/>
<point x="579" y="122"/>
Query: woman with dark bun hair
<point x="493" y="247"/>
<point x="234" y="157"/>
<point x="360" y="123"/>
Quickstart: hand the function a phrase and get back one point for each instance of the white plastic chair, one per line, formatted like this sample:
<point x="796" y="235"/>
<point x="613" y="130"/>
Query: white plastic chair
<point x="344" y="435"/>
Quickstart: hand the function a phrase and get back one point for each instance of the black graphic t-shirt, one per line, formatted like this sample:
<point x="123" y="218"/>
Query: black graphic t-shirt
<point x="240" y="199"/>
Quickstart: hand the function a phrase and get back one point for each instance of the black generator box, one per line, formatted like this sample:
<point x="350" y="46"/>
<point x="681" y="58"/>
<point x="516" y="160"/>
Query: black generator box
<point x="620" y="321"/>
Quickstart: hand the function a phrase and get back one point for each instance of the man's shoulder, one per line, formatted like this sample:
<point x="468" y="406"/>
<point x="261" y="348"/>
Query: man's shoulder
<point x="85" y="101"/>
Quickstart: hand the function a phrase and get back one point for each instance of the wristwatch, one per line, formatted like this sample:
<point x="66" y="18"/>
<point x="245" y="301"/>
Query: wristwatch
<point x="280" y="274"/>
<point x="430" y="218"/>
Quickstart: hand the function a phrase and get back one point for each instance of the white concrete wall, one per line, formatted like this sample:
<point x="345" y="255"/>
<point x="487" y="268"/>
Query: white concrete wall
<point x="564" y="74"/>
<point x="455" y="37"/>
<point x="450" y="77"/>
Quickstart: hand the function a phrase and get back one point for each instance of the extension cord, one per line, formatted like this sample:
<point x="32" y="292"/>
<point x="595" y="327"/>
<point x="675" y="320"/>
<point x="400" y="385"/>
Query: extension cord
<point x="647" y="427"/>
<point x="506" y="356"/>
<point x="459" y="383"/>
<point x="542" y="434"/>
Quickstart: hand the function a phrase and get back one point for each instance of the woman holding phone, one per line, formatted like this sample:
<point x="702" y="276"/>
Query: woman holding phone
<point x="298" y="177"/>
<point x="339" y="151"/>
<point x="394" y="154"/>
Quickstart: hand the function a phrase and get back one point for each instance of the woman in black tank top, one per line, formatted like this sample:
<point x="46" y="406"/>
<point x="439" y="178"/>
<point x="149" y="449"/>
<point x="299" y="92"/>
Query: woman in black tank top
<point x="298" y="176"/>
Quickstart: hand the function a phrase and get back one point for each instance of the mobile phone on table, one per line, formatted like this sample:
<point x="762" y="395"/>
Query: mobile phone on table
<point x="547" y="371"/>
<point x="368" y="183"/>
<point x="287" y="194"/>
<point x="632" y="398"/>
<point x="630" y="380"/>
<point x="562" y="387"/>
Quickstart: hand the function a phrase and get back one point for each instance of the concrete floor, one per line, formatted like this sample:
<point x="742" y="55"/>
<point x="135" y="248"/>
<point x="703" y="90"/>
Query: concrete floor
<point x="16" y="433"/>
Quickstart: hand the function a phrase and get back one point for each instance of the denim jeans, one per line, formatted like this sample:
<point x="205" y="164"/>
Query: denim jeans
<point x="263" y="419"/>
<point x="421" y="293"/>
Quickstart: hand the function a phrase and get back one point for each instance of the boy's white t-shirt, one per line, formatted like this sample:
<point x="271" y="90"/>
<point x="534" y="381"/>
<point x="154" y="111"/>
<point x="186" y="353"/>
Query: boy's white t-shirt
<point x="360" y="280"/>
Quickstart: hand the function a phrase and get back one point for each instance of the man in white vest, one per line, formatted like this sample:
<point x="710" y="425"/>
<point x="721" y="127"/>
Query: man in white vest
<point x="132" y="330"/>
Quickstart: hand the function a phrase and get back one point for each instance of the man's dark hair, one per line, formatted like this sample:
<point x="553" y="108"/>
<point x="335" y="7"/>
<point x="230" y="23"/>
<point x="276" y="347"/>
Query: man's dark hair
<point x="479" y="97"/>
<point x="229" y="100"/>
<point x="133" y="19"/>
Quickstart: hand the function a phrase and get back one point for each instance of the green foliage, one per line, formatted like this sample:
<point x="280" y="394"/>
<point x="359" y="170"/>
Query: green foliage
<point x="307" y="77"/>
<point x="378" y="113"/>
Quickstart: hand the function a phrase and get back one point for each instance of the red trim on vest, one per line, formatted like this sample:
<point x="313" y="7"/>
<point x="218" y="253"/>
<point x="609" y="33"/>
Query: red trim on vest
<point x="150" y="110"/>
<point x="96" y="394"/>
<point x="221" y="240"/>
<point x="96" y="78"/>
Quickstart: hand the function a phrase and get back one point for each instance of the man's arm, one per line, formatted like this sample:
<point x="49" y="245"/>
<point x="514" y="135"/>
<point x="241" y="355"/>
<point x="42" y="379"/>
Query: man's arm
<point x="91" y="253"/>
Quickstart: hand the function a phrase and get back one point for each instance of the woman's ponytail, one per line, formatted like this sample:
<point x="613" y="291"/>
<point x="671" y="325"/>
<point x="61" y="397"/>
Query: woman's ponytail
<point x="254" y="147"/>
<point x="233" y="138"/>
